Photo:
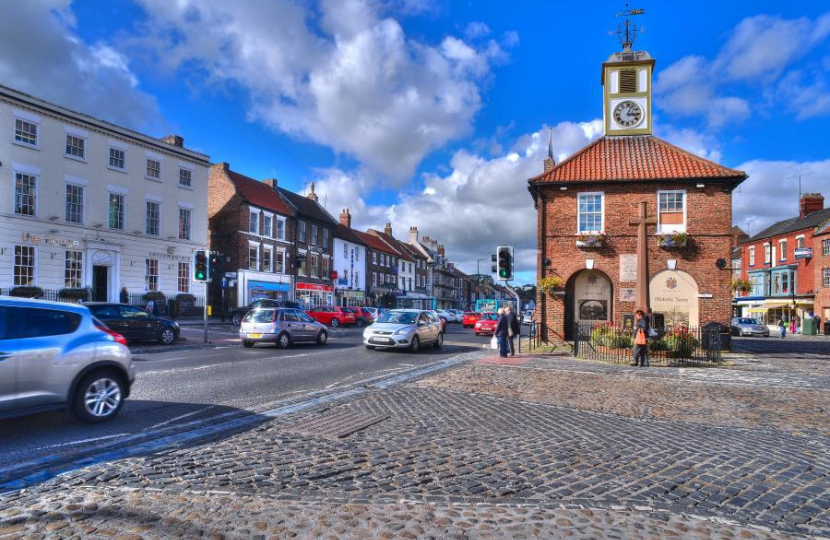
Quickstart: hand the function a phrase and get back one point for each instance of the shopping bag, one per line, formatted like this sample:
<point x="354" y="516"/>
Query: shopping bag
<point x="494" y="343"/>
<point x="641" y="337"/>
<point x="652" y="333"/>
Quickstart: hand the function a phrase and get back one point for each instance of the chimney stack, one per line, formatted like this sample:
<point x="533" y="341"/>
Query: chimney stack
<point x="346" y="218"/>
<point x="388" y="229"/>
<point x="441" y="250"/>
<point x="273" y="182"/>
<point x="809" y="203"/>
<point x="224" y="165"/>
<point x="312" y="195"/>
<point x="413" y="235"/>
<point x="175" y="140"/>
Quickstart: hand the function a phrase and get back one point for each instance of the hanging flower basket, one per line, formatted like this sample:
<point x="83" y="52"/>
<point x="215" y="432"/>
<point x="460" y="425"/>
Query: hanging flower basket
<point x="673" y="240"/>
<point x="26" y="292"/>
<point x="590" y="241"/>
<point x="743" y="286"/>
<point x="553" y="285"/>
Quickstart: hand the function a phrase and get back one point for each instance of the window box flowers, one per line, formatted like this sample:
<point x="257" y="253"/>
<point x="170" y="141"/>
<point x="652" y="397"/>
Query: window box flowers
<point x="676" y="240"/>
<point x="590" y="240"/>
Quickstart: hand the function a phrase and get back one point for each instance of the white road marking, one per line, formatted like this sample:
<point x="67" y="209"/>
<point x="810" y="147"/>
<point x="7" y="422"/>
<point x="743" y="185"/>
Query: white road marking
<point x="93" y="439"/>
<point x="180" y="417"/>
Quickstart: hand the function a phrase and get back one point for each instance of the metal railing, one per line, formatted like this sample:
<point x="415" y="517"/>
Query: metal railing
<point x="679" y="345"/>
<point x="169" y="307"/>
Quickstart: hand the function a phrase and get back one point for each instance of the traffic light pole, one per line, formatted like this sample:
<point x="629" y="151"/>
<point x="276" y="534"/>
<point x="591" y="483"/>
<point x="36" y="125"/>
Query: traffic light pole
<point x="204" y="313"/>
<point x="518" y="308"/>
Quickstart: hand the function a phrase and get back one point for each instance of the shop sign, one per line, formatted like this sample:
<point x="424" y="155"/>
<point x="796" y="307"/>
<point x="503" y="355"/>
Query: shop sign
<point x="314" y="287"/>
<point x="803" y="253"/>
<point x="333" y="275"/>
<point x="50" y="240"/>
<point x="168" y="255"/>
<point x="230" y="275"/>
<point x="342" y="281"/>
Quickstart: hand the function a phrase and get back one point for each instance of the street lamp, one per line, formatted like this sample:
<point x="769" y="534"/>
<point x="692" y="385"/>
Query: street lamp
<point x="478" y="269"/>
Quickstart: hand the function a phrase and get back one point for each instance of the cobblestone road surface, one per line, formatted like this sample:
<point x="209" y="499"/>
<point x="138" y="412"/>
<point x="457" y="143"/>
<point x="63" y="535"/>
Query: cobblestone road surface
<point x="484" y="451"/>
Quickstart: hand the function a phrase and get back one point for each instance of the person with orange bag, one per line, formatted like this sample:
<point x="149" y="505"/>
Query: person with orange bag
<point x="640" y="339"/>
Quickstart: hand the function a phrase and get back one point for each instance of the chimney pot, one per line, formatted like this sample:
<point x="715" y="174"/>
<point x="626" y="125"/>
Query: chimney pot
<point x="312" y="195"/>
<point x="346" y="218"/>
<point x="388" y="229"/>
<point x="224" y="165"/>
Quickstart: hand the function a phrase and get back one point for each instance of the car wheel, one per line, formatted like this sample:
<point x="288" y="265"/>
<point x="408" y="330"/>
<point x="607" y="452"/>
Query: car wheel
<point x="283" y="341"/>
<point x="236" y="320"/>
<point x="322" y="337"/>
<point x="440" y="341"/>
<point x="247" y="344"/>
<point x="741" y="333"/>
<point x="335" y="323"/>
<point x="167" y="337"/>
<point x="98" y="397"/>
<point x="415" y="346"/>
<point x="360" y="323"/>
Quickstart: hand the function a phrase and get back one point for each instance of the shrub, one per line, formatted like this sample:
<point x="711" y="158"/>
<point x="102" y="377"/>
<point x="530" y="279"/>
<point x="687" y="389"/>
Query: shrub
<point x="155" y="296"/>
<point x="27" y="292"/>
<point x="74" y="293"/>
<point x="185" y="297"/>
<point x="680" y="342"/>
<point x="610" y="336"/>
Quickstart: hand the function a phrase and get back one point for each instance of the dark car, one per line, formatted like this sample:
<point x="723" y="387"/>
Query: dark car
<point x="134" y="323"/>
<point x="238" y="314"/>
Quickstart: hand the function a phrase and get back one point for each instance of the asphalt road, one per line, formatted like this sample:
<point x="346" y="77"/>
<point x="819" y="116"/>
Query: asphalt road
<point x="182" y="384"/>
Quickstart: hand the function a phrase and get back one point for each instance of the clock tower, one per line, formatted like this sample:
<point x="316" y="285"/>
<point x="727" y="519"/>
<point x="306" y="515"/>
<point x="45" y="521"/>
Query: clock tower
<point x="626" y="82"/>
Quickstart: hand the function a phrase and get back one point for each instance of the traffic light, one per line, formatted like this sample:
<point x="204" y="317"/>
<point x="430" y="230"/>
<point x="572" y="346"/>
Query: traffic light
<point x="201" y="266"/>
<point x="215" y="265"/>
<point x="504" y="256"/>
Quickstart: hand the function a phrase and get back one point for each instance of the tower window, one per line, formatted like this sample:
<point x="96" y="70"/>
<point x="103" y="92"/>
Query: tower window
<point x="628" y="81"/>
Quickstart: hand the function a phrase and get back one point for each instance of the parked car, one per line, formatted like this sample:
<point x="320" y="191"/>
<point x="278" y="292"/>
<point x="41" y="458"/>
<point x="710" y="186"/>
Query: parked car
<point x="441" y="318"/>
<point x="281" y="326"/>
<point x="470" y="319"/>
<point x="363" y="317"/>
<point x="486" y="324"/>
<point x="404" y="328"/>
<point x="134" y="323"/>
<point x="450" y="315"/>
<point x="237" y="314"/>
<point x="744" y="326"/>
<point x="56" y="356"/>
<point x="375" y="311"/>
<point x="333" y="316"/>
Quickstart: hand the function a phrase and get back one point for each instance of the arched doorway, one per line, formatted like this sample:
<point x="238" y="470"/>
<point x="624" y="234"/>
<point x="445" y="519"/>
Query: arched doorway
<point x="674" y="295"/>
<point x="589" y="296"/>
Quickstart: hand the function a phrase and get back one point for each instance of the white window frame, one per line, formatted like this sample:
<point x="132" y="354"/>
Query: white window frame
<point x="269" y="230"/>
<point x="799" y="241"/>
<point x="189" y="229"/>
<point x="33" y="267"/>
<point x="80" y="135"/>
<point x="825" y="279"/>
<point x="281" y="254"/>
<point x="304" y="254"/>
<point x="751" y="255"/>
<point x="189" y="171"/>
<point x="374" y="279"/>
<point x="157" y="201"/>
<point x="374" y="257"/>
<point x="183" y="280"/>
<point x="671" y="228"/>
<point x="112" y="167"/>
<point x="68" y="269"/>
<point x="78" y="183"/>
<point x="315" y="231"/>
<point x="767" y="253"/>
<point x="270" y="251"/>
<point x="147" y="175"/>
<point x="254" y="245"/>
<point x="326" y="238"/>
<point x="601" y="194"/>
<point x="280" y="232"/>
<point x="301" y="231"/>
<point x="825" y="247"/>
<point x="124" y="213"/>
<point x="148" y="275"/>
<point x="254" y="211"/>
<point x="26" y="171"/>
<point x="29" y="119"/>
<point x="782" y="250"/>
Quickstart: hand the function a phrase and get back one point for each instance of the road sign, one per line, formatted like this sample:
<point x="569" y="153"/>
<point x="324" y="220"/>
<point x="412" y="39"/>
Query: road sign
<point x="230" y="275"/>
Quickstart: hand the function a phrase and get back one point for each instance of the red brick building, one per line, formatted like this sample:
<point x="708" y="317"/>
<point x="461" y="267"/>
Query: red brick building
<point x="782" y="265"/>
<point x="584" y="205"/>
<point x="821" y="264"/>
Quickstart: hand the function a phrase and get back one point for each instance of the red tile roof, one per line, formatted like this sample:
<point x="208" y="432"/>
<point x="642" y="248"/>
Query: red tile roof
<point x="375" y="242"/>
<point x="395" y="243"/>
<point x="635" y="157"/>
<point x="259" y="194"/>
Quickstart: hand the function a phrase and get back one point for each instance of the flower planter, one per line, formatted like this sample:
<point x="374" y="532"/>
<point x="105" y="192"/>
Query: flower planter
<point x="673" y="241"/>
<point x="590" y="241"/>
<point x="589" y="245"/>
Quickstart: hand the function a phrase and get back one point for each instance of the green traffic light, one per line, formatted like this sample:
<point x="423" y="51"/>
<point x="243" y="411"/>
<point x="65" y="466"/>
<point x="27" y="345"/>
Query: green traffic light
<point x="200" y="275"/>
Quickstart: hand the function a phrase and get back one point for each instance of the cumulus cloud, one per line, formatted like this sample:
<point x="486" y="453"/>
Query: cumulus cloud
<point x="344" y="75"/>
<point x="770" y="193"/>
<point x="759" y="56"/>
<point x="41" y="54"/>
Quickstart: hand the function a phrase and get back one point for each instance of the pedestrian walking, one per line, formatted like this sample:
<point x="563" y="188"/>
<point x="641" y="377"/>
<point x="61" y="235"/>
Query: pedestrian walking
<point x="782" y="325"/>
<point x="501" y="333"/>
<point x="151" y="307"/>
<point x="793" y="326"/>
<point x="640" y="339"/>
<point x="514" y="328"/>
<point x="124" y="297"/>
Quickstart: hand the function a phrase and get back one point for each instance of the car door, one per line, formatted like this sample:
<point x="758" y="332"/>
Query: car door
<point x="294" y="325"/>
<point x="423" y="329"/>
<point x="8" y="362"/>
<point x="110" y="314"/>
<point x="47" y="357"/>
<point x="310" y="327"/>
<point x="138" y="322"/>
<point x="434" y="324"/>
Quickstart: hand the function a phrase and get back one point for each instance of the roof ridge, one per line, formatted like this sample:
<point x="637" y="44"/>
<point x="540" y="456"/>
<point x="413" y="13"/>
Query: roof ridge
<point x="571" y="157"/>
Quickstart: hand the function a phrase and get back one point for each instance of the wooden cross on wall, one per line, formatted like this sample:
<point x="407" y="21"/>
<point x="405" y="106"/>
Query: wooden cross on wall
<point x="642" y="221"/>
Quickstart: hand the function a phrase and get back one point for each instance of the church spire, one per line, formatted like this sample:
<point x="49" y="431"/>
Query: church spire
<point x="549" y="161"/>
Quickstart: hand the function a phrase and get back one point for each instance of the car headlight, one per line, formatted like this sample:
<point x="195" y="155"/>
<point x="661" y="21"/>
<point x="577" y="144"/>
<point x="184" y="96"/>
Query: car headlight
<point x="367" y="333"/>
<point x="402" y="331"/>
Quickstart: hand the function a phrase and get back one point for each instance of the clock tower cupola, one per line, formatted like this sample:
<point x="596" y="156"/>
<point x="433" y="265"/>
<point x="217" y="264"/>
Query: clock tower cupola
<point x="626" y="82"/>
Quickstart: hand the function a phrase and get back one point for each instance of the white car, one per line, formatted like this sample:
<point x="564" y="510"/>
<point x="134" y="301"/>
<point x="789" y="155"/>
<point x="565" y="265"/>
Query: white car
<point x="450" y="315"/>
<point x="404" y="329"/>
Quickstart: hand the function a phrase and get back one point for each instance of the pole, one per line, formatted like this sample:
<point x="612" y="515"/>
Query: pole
<point x="518" y="308"/>
<point x="204" y="313"/>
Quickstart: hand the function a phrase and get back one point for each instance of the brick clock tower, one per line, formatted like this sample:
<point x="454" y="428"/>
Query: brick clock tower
<point x="632" y="221"/>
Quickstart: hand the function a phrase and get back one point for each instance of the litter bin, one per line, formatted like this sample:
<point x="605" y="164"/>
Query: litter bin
<point x="716" y="331"/>
<point x="808" y="326"/>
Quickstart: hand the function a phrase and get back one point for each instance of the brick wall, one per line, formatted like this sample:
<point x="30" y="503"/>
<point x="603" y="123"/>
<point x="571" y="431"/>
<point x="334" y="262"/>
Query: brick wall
<point x="708" y="222"/>
<point x="805" y="282"/>
<point x="821" y="261"/>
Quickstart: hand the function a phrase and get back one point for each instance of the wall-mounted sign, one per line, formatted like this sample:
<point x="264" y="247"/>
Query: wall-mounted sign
<point x="230" y="275"/>
<point x="628" y="294"/>
<point x="50" y="240"/>
<point x="314" y="287"/>
<point x="628" y="267"/>
<point x="803" y="253"/>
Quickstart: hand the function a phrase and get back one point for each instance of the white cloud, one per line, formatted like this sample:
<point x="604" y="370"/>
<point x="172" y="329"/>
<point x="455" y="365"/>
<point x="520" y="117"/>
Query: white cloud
<point x="344" y="75"/>
<point x="768" y="195"/>
<point x="40" y="54"/>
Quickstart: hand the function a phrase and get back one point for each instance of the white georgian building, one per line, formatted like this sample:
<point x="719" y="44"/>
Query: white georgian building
<point x="349" y="264"/>
<point x="89" y="204"/>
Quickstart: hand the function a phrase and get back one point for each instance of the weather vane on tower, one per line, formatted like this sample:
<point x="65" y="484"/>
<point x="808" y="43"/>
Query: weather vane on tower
<point x="627" y="32"/>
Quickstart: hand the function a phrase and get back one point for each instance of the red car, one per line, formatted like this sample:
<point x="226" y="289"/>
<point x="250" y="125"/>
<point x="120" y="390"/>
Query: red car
<point x="486" y="324"/>
<point x="470" y="319"/>
<point x="363" y="317"/>
<point x="331" y="315"/>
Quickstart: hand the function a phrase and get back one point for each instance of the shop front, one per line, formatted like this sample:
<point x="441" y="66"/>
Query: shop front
<point x="413" y="300"/>
<point x="251" y="285"/>
<point x="349" y="298"/>
<point x="314" y="294"/>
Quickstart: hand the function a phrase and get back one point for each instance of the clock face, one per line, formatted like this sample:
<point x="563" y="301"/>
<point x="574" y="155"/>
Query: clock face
<point x="628" y="114"/>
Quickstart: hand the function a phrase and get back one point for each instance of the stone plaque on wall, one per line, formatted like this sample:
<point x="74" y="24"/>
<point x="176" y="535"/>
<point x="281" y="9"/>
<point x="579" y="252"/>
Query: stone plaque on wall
<point x="628" y="267"/>
<point x="628" y="294"/>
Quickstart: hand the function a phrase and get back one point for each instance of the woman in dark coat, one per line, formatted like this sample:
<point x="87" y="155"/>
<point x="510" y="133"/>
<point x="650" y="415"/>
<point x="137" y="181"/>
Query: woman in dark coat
<point x="502" y="332"/>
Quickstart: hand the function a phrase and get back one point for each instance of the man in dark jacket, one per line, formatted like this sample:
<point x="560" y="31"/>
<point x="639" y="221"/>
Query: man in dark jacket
<point x="640" y="339"/>
<point x="501" y="333"/>
<point x="124" y="297"/>
<point x="513" y="329"/>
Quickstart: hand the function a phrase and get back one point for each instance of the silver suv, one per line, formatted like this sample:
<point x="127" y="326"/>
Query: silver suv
<point x="55" y="355"/>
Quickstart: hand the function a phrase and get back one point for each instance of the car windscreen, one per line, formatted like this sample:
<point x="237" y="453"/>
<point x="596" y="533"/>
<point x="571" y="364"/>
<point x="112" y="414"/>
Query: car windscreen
<point x="489" y="316"/>
<point x="747" y="321"/>
<point x="399" y="317"/>
<point x="259" y="316"/>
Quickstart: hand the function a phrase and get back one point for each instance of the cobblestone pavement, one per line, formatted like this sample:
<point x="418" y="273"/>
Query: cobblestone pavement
<point x="605" y="451"/>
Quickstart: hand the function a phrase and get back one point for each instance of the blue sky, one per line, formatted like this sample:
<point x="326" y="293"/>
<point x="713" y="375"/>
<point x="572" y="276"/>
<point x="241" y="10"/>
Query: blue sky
<point x="434" y="113"/>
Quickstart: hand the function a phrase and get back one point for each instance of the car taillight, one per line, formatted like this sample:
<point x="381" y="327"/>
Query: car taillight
<point x="116" y="337"/>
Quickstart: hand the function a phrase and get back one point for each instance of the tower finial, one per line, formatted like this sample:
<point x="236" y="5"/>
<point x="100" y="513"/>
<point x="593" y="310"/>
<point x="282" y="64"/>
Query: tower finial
<point x="549" y="162"/>
<point x="627" y="32"/>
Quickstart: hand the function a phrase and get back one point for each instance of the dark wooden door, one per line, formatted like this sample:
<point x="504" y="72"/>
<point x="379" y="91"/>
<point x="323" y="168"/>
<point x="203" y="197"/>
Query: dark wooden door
<point x="100" y="284"/>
